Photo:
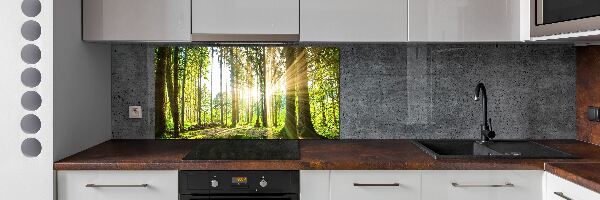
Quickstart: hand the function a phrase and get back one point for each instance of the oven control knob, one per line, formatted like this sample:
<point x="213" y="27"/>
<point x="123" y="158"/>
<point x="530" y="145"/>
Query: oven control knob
<point x="214" y="183"/>
<point x="263" y="183"/>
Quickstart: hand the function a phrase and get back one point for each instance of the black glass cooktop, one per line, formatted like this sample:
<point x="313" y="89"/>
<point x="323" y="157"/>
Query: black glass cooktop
<point x="245" y="150"/>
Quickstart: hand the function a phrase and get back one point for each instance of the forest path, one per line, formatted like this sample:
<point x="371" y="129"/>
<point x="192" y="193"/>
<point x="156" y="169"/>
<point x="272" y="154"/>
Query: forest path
<point x="228" y="133"/>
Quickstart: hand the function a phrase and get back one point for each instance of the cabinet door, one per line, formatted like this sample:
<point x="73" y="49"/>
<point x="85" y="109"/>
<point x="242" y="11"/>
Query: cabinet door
<point x="560" y="189"/>
<point x="244" y="18"/>
<point x="117" y="185"/>
<point x="314" y="185"/>
<point x="353" y="20"/>
<point x="468" y="20"/>
<point x="375" y="185"/>
<point x="136" y="20"/>
<point x="482" y="184"/>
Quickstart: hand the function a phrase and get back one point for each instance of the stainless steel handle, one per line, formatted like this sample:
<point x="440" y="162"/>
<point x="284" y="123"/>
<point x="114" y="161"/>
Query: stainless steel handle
<point x="376" y="184"/>
<point x="491" y="185"/>
<point x="115" y="186"/>
<point x="560" y="194"/>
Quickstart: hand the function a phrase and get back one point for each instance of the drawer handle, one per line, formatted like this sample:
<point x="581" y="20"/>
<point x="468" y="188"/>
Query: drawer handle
<point x="560" y="194"/>
<point x="116" y="186"/>
<point x="493" y="185"/>
<point x="376" y="184"/>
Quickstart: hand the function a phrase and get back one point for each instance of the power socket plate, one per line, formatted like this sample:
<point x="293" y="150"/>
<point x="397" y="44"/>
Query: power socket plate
<point x="135" y="112"/>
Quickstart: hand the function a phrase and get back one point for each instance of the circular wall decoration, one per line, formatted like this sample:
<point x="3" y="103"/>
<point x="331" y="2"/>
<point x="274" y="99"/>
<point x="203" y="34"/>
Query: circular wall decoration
<point x="31" y="30"/>
<point x="31" y="100"/>
<point x="31" y="147"/>
<point x="31" y="77"/>
<point x="31" y="124"/>
<point x="31" y="8"/>
<point x="31" y="54"/>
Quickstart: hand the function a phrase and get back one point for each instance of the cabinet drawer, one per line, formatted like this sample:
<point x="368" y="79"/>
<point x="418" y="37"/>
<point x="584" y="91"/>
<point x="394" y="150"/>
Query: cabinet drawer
<point x="560" y="189"/>
<point x="314" y="184"/>
<point x="482" y="184"/>
<point x="375" y="185"/>
<point x="116" y="185"/>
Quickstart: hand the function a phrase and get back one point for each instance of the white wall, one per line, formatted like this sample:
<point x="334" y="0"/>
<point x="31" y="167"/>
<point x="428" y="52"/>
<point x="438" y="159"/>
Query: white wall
<point x="81" y="84"/>
<point x="24" y="177"/>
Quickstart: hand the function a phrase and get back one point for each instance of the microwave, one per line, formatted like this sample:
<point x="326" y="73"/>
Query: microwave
<point x="554" y="17"/>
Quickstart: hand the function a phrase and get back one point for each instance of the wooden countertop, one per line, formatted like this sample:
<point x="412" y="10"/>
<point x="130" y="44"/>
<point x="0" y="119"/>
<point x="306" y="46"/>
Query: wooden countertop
<point x="315" y="154"/>
<point x="584" y="174"/>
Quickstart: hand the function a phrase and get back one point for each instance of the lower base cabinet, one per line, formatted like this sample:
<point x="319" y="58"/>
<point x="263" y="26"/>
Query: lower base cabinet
<point x="482" y="185"/>
<point x="375" y="185"/>
<point x="421" y="185"/>
<point x="341" y="185"/>
<point x="314" y="184"/>
<point x="117" y="185"/>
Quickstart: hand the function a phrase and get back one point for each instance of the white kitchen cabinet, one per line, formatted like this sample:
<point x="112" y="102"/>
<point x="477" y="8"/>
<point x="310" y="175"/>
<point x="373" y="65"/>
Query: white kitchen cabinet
<point x="117" y="185"/>
<point x="136" y="20"/>
<point x="375" y="185"/>
<point x="353" y="20"/>
<point x="482" y="184"/>
<point x="468" y="20"/>
<point x="314" y="185"/>
<point x="560" y="189"/>
<point x="245" y="20"/>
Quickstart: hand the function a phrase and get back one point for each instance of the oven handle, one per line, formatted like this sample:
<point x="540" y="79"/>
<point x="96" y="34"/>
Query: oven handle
<point x="241" y="196"/>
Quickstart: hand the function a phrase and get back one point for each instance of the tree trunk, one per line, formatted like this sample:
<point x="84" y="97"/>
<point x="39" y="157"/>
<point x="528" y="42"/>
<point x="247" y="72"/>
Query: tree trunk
<point x="306" y="128"/>
<point x="199" y="93"/>
<point x="232" y="77"/>
<point x="212" y="55"/>
<point x="184" y="73"/>
<point x="174" y="102"/>
<point x="221" y="85"/>
<point x="290" y="93"/>
<point x="263" y="88"/>
<point x="160" y="122"/>
<point x="172" y="85"/>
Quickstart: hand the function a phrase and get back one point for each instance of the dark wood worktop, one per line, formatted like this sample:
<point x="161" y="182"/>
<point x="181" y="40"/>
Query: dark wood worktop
<point x="584" y="174"/>
<point x="314" y="154"/>
<point x="331" y="155"/>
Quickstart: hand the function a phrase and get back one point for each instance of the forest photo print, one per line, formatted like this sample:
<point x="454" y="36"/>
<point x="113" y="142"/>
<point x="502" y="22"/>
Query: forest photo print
<point x="246" y="92"/>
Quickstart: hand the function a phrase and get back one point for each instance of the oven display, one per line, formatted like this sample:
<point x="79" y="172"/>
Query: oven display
<point x="239" y="180"/>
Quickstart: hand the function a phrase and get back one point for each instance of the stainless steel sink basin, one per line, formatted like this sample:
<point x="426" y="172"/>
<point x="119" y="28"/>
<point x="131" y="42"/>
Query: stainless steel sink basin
<point x="496" y="149"/>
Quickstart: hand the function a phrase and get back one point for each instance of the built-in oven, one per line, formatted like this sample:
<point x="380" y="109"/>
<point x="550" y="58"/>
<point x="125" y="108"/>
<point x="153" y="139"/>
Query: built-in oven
<point x="238" y="185"/>
<point x="552" y="17"/>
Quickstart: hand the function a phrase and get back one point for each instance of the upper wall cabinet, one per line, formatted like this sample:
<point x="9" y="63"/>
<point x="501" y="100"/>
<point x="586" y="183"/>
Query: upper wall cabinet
<point x="468" y="20"/>
<point x="136" y="20"/>
<point x="245" y="20"/>
<point x="353" y="20"/>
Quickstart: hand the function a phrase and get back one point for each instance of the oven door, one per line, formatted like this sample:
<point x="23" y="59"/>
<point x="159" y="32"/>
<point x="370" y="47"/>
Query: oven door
<point x="552" y="17"/>
<point x="240" y="197"/>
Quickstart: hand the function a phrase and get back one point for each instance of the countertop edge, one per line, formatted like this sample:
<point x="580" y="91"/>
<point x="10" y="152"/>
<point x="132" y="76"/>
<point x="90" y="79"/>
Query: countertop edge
<point x="573" y="176"/>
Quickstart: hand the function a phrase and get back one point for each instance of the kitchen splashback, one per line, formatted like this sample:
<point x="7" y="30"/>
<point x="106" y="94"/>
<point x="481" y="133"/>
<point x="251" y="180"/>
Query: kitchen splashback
<point x="408" y="91"/>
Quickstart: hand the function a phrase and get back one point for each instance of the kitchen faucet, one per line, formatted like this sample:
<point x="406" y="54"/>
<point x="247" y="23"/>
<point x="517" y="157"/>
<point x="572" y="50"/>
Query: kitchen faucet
<point x="486" y="129"/>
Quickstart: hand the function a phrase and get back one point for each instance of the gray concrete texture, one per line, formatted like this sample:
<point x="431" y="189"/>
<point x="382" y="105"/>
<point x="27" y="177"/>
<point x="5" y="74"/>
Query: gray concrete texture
<point x="132" y="85"/>
<point x="393" y="91"/>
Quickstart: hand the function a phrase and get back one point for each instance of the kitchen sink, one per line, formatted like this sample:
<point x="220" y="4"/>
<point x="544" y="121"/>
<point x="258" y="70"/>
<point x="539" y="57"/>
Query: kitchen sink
<point x="440" y="149"/>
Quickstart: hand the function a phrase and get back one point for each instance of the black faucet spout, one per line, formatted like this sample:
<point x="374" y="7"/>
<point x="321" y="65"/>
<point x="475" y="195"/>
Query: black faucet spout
<point x="480" y="94"/>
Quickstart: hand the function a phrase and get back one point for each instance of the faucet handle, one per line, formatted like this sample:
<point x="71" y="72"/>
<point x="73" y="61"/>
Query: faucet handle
<point x="491" y="134"/>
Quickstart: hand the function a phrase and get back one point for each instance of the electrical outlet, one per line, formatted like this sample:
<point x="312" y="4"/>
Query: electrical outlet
<point x="135" y="112"/>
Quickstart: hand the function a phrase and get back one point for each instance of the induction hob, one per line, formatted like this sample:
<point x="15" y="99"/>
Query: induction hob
<point x="245" y="150"/>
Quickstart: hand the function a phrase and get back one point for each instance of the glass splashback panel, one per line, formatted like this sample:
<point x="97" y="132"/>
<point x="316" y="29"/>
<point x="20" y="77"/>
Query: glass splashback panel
<point x="246" y="92"/>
